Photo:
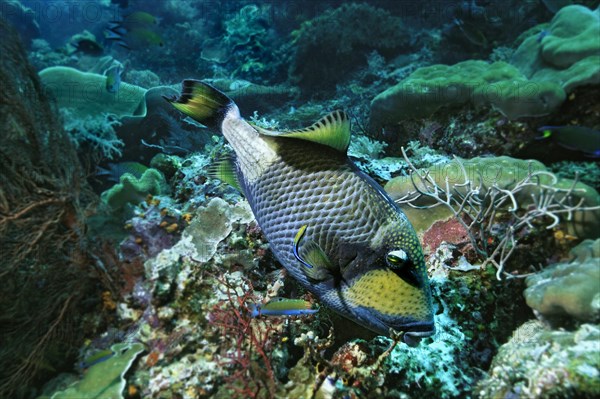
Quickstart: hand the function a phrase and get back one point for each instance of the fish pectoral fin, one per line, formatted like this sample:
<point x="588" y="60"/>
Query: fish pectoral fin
<point x="224" y="170"/>
<point x="332" y="130"/>
<point x="321" y="266"/>
<point x="316" y="265"/>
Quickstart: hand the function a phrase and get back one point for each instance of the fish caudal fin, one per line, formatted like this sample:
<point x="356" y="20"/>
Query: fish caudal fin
<point x="203" y="103"/>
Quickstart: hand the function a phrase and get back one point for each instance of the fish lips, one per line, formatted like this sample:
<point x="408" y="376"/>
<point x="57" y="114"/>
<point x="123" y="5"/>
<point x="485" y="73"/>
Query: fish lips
<point x="418" y="331"/>
<point x="412" y="330"/>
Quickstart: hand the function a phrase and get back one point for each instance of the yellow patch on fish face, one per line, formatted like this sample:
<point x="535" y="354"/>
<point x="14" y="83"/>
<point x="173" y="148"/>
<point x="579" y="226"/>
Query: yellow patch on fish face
<point x="385" y="292"/>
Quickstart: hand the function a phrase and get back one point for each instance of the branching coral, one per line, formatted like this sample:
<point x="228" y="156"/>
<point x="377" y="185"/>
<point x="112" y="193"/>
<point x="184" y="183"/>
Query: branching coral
<point x="249" y="359"/>
<point x="97" y="132"/>
<point x="477" y="205"/>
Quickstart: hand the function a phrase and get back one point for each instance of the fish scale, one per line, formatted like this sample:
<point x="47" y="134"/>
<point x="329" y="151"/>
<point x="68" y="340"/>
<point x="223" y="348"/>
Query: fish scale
<point x="290" y="195"/>
<point x="314" y="204"/>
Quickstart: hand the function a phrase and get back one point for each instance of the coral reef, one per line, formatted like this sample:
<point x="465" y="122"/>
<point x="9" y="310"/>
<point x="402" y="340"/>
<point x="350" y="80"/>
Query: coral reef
<point x="47" y="267"/>
<point x="569" y="54"/>
<point x="132" y="190"/>
<point x="478" y="83"/>
<point x="541" y="363"/>
<point x="482" y="191"/>
<point x="148" y="291"/>
<point x="106" y="378"/>
<point x="344" y="37"/>
<point x="568" y="289"/>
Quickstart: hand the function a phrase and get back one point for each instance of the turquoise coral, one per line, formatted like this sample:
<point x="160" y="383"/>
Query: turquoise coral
<point x="131" y="190"/>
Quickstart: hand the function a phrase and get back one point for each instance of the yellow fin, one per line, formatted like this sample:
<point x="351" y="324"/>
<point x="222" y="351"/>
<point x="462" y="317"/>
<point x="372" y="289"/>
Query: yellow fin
<point x="224" y="170"/>
<point x="202" y="102"/>
<point x="332" y="130"/>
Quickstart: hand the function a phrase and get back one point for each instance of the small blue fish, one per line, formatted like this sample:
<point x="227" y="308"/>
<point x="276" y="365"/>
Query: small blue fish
<point x="576" y="138"/>
<point x="96" y="358"/>
<point x="282" y="307"/>
<point x="113" y="78"/>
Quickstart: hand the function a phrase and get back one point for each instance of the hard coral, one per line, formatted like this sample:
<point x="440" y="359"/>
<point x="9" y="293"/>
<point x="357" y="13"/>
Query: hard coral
<point x="569" y="289"/>
<point x="540" y="363"/>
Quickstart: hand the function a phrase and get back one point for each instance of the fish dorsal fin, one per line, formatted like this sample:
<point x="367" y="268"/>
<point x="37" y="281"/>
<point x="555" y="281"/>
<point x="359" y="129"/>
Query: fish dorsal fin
<point x="332" y="130"/>
<point x="224" y="170"/>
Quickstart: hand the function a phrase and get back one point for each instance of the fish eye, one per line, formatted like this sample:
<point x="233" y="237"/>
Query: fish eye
<point x="399" y="262"/>
<point x="397" y="258"/>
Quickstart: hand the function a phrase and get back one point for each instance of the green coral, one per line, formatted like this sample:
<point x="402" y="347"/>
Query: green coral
<point x="568" y="289"/>
<point x="105" y="380"/>
<point x="85" y="93"/>
<point x="505" y="172"/>
<point x="131" y="190"/>
<point x="534" y="83"/>
<point x="541" y="363"/>
<point x="569" y="54"/>
<point x="499" y="85"/>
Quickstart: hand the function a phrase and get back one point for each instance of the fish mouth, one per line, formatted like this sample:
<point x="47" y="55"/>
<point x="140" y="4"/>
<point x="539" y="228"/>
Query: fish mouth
<point x="414" y="332"/>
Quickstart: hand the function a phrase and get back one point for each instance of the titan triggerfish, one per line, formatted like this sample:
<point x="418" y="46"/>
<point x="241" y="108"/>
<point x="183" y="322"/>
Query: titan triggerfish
<point x="329" y="224"/>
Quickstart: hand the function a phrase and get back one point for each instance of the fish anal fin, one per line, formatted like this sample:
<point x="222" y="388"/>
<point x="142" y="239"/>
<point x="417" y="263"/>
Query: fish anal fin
<point x="332" y="130"/>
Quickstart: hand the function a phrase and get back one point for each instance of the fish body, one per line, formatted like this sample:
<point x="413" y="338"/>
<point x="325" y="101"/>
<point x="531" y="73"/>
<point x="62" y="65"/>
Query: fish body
<point x="96" y="358"/>
<point x="471" y="33"/>
<point x="113" y="78"/>
<point x="330" y="225"/>
<point x="282" y="307"/>
<point x="134" y="31"/>
<point x="575" y="138"/>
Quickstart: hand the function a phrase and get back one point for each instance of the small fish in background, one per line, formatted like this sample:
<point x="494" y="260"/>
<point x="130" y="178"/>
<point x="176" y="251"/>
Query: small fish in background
<point x="542" y="35"/>
<point x="88" y="47"/>
<point x="96" y="358"/>
<point x="114" y="171"/>
<point x="137" y="19"/>
<point x="113" y="78"/>
<point x="134" y="31"/>
<point x="282" y="307"/>
<point x="471" y="33"/>
<point x="572" y="137"/>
